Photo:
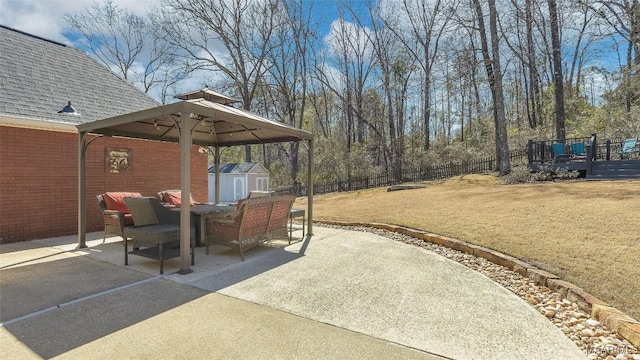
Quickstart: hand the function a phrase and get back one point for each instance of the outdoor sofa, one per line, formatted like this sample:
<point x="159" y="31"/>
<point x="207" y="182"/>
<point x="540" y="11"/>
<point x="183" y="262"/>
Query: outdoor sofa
<point x="256" y="220"/>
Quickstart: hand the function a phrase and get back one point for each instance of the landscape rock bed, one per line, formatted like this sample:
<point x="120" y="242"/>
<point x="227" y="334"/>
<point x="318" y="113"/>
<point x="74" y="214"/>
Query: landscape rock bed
<point x="589" y="335"/>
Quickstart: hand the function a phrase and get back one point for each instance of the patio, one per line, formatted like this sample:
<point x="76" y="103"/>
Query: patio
<point x="338" y="294"/>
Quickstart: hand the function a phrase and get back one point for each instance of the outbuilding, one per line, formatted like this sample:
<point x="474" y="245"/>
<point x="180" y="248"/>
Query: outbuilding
<point x="237" y="180"/>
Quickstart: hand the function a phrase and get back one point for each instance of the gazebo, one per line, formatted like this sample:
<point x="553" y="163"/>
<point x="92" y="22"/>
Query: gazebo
<point x="204" y="118"/>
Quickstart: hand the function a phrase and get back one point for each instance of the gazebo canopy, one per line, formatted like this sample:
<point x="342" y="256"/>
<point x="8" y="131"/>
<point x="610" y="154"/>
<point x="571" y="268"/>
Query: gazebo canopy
<point x="202" y="118"/>
<point x="214" y="125"/>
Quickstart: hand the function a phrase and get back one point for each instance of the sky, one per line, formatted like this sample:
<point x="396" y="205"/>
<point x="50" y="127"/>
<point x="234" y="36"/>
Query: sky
<point x="45" y="18"/>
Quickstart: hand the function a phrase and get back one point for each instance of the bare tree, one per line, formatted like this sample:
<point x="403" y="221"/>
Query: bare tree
<point x="228" y="37"/>
<point x="395" y="68"/>
<point x="352" y="57"/>
<point x="426" y="23"/>
<point x="623" y="16"/>
<point x="558" y="79"/>
<point x="494" y="74"/>
<point x="130" y="46"/>
<point x="287" y="78"/>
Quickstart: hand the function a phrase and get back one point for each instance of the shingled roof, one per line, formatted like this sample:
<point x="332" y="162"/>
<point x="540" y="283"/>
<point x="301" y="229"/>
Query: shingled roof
<point x="38" y="77"/>
<point x="235" y="168"/>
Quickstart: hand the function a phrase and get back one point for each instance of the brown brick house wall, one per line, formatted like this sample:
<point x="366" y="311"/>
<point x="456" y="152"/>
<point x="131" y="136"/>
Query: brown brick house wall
<point x="39" y="177"/>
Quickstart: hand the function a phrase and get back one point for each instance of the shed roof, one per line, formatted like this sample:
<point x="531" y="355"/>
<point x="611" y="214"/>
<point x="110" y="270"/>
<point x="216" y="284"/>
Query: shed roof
<point x="38" y="77"/>
<point x="235" y="168"/>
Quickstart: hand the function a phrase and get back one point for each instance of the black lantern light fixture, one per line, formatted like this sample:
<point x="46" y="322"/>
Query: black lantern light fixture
<point x="69" y="110"/>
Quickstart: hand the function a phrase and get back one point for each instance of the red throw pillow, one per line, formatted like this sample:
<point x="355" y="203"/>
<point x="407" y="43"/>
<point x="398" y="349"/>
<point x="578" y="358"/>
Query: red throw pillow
<point x="115" y="200"/>
<point x="175" y="198"/>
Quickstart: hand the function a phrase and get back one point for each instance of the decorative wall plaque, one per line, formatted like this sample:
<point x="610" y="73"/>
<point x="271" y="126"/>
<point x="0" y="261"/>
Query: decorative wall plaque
<point x="117" y="161"/>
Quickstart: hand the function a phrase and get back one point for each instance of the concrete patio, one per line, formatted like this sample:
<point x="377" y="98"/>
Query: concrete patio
<point x="339" y="294"/>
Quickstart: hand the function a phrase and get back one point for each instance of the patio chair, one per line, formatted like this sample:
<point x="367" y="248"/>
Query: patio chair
<point x="115" y="213"/>
<point x="558" y="151"/>
<point x="577" y="149"/>
<point x="628" y="147"/>
<point x="155" y="231"/>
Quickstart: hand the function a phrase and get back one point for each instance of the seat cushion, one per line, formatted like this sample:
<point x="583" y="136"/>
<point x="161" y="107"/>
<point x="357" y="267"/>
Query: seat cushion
<point x="115" y="200"/>
<point x="128" y="219"/>
<point x="175" y="198"/>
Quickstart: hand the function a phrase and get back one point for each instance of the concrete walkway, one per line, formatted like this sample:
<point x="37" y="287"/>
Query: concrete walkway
<point x="336" y="295"/>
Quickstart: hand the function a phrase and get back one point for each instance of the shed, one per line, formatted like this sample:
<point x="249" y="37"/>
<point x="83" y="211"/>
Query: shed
<point x="237" y="180"/>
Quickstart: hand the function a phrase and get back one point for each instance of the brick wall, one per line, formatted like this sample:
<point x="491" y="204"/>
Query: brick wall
<point x="39" y="177"/>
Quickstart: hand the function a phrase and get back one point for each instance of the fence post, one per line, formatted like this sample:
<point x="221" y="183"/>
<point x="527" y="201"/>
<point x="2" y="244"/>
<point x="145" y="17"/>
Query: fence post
<point x="589" y="158"/>
<point x="530" y="151"/>
<point x="542" y="148"/>
<point x="608" y="147"/>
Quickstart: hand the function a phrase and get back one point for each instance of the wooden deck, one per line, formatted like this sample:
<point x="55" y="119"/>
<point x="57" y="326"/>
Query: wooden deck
<point x="598" y="162"/>
<point x="614" y="170"/>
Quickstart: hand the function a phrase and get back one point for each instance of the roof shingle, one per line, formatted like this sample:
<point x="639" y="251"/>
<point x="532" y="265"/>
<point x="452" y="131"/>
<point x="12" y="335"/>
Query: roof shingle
<point x="38" y="77"/>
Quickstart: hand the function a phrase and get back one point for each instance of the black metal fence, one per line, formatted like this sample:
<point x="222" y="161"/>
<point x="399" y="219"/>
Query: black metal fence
<point x="391" y="177"/>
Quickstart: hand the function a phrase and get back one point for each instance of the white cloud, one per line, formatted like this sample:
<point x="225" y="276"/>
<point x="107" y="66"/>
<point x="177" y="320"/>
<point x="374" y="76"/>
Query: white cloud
<point x="45" y="18"/>
<point x="347" y="36"/>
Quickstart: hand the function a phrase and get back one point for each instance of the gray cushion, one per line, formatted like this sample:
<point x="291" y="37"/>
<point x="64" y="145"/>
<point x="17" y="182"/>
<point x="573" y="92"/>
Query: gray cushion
<point x="141" y="211"/>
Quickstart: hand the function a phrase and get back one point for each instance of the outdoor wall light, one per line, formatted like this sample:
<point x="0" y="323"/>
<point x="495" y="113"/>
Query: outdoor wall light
<point x="69" y="110"/>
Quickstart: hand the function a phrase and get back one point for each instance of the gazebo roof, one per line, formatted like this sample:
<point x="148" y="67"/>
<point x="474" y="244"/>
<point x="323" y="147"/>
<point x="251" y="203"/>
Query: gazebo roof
<point x="207" y="94"/>
<point x="216" y="125"/>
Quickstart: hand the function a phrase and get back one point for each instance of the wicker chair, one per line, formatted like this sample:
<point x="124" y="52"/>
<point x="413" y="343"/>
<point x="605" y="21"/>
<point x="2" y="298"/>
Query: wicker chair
<point x="155" y="229"/>
<point x="115" y="213"/>
<point x="257" y="220"/>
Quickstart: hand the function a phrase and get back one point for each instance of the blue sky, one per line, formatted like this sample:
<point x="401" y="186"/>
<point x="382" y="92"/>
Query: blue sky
<point x="44" y="18"/>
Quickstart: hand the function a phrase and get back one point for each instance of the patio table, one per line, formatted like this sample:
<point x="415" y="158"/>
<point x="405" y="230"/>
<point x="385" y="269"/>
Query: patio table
<point x="204" y="212"/>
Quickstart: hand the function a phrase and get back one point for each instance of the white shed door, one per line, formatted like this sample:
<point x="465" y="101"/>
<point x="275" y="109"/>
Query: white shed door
<point x="238" y="188"/>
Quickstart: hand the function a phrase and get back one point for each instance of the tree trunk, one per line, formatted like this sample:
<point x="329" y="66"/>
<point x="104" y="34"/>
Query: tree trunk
<point x="501" y="119"/>
<point x="488" y="65"/>
<point x="533" y="70"/>
<point x="557" y="72"/>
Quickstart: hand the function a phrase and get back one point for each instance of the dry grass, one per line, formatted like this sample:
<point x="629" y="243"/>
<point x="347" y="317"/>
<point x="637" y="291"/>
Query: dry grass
<point x="588" y="233"/>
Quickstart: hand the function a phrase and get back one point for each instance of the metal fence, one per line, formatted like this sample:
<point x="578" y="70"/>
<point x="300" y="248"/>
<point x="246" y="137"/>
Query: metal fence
<point x="391" y="177"/>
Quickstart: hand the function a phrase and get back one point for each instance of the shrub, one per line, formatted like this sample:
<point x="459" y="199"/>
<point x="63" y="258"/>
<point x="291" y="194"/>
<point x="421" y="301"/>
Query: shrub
<point x="522" y="174"/>
<point x="518" y="175"/>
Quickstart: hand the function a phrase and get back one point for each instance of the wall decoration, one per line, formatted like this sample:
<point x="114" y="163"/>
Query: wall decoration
<point x="118" y="161"/>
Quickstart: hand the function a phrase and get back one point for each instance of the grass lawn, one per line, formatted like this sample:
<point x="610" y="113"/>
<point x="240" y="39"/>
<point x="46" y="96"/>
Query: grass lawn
<point x="588" y="233"/>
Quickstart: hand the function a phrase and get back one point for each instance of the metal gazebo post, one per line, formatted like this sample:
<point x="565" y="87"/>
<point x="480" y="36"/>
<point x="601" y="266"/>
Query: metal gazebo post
<point x="185" y="189"/>
<point x="310" y="191"/>
<point x="82" y="214"/>
<point x="216" y="175"/>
